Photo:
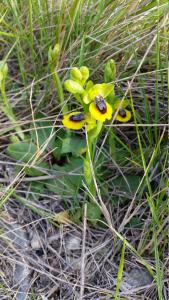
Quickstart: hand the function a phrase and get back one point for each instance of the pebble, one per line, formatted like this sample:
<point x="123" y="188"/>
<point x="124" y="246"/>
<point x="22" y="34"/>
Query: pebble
<point x="36" y="243"/>
<point x="73" y="243"/>
<point x="136" y="278"/>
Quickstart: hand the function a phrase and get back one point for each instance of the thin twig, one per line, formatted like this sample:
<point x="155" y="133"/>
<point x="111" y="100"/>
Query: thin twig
<point x="83" y="254"/>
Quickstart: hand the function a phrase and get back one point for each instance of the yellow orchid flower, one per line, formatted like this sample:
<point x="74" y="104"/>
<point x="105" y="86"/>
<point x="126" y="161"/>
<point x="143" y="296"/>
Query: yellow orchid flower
<point x="100" y="109"/>
<point x="119" y="103"/>
<point x="74" y="120"/>
<point x="103" y="89"/>
<point x="94" y="90"/>
<point x="123" y="115"/>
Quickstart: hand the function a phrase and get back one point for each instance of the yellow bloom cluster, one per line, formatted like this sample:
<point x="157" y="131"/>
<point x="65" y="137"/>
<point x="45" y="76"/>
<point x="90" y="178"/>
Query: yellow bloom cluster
<point x="93" y="99"/>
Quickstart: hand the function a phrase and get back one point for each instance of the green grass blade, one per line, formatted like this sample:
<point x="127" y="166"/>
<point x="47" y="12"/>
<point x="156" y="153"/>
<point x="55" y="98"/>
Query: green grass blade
<point x="120" y="271"/>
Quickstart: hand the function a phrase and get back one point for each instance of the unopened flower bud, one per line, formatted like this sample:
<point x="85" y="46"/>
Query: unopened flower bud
<point x="85" y="73"/>
<point x="110" y="71"/>
<point x="86" y="98"/>
<point x="53" y="54"/>
<point x="73" y="87"/>
<point x="76" y="74"/>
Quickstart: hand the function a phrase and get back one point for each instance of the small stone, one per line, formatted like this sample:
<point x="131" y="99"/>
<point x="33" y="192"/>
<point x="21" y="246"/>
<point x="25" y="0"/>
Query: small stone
<point x="73" y="243"/>
<point x="36" y="242"/>
<point x="137" y="277"/>
<point x="75" y="262"/>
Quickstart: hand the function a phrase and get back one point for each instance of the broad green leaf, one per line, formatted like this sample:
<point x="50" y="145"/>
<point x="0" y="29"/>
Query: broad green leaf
<point x="25" y="153"/>
<point x="129" y="185"/>
<point x="135" y="222"/>
<point x="37" y="170"/>
<point x="122" y="156"/>
<point x="22" y="151"/>
<point x="57" y="146"/>
<point x="69" y="178"/>
<point x="44" y="133"/>
<point x="93" y="212"/>
<point x="57" y="149"/>
<point x="74" y="145"/>
<point x="37" y="187"/>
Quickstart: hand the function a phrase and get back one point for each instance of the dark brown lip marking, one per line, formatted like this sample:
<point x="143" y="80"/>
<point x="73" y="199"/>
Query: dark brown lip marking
<point x="122" y="113"/>
<point x="100" y="104"/>
<point x="77" y="118"/>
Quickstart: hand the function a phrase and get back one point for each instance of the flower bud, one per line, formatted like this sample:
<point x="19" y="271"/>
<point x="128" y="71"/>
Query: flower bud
<point x="76" y="74"/>
<point x="89" y="85"/>
<point x="53" y="54"/>
<point x="85" y="73"/>
<point x="86" y="98"/>
<point x="110" y="71"/>
<point x="73" y="87"/>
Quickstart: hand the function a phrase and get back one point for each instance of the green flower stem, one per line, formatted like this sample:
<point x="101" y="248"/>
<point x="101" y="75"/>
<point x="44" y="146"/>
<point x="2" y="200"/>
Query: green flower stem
<point x="93" y="134"/>
<point x="6" y="108"/>
<point x="4" y="96"/>
<point x="88" y="172"/>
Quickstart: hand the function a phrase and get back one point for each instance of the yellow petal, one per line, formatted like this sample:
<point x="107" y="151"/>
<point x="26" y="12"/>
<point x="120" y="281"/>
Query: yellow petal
<point x="86" y="98"/>
<point x="97" y="115"/>
<point x="103" y="89"/>
<point x="124" y="119"/>
<point x="71" y="124"/>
